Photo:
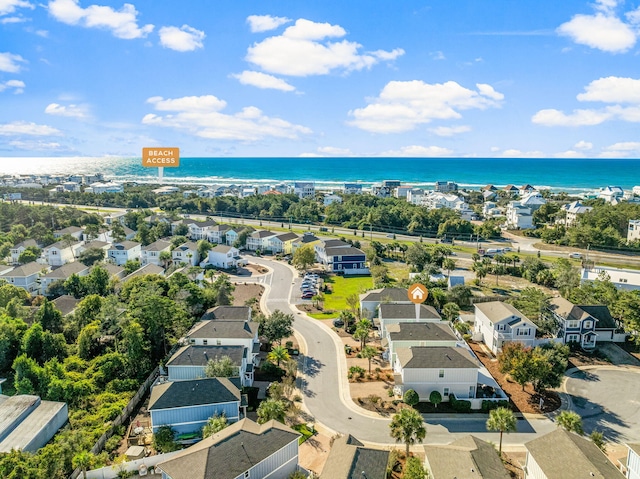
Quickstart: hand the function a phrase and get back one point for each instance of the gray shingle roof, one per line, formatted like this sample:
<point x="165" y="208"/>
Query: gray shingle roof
<point x="348" y="460"/>
<point x="565" y="455"/>
<point x="287" y="237"/>
<point x="66" y="270"/>
<point x="237" y="447"/>
<point x="223" y="329"/>
<point x="436" y="357"/>
<point x="228" y="313"/>
<point x="158" y="245"/>
<point x="25" y="270"/>
<point x="497" y="310"/>
<point x="603" y="316"/>
<point x="390" y="295"/>
<point x="66" y="304"/>
<point x="468" y="457"/>
<point x="196" y="392"/>
<point x="343" y="251"/>
<point x="124" y="245"/>
<point x="262" y="234"/>
<point x="200" y="355"/>
<point x="421" y="332"/>
<point x="407" y="311"/>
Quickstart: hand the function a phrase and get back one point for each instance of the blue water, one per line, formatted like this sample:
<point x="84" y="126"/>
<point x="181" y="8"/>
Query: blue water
<point x="559" y="174"/>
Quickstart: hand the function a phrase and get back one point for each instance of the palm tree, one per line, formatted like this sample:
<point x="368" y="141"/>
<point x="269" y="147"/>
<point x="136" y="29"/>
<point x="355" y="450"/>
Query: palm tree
<point x="501" y="419"/>
<point x="480" y="271"/>
<point x="83" y="460"/>
<point x="449" y="264"/>
<point x="369" y="352"/>
<point x="570" y="421"/>
<point x="475" y="257"/>
<point x="278" y="354"/>
<point x="214" y="424"/>
<point x="407" y="426"/>
<point x="363" y="328"/>
<point x="271" y="409"/>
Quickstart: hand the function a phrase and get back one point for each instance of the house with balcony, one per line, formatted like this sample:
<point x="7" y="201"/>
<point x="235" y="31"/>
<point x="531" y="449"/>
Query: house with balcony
<point x="217" y="234"/>
<point x="120" y="253"/>
<point x="96" y="245"/>
<point x="571" y="212"/>
<point x="150" y="254"/>
<point x="337" y="256"/>
<point x="222" y="256"/>
<point x="518" y="216"/>
<point x="424" y="334"/>
<point x="497" y="323"/>
<point x="304" y="189"/>
<point x="186" y="406"/>
<point x="198" y="230"/>
<point x="26" y="276"/>
<point x="243" y="450"/>
<point x="611" y="194"/>
<point x="574" y="323"/>
<point x="189" y="362"/>
<point x="60" y="253"/>
<point x="62" y="274"/>
<point x="186" y="253"/>
<point x="260" y="240"/>
<point x="307" y="238"/>
<point x="352" y="189"/>
<point x="282" y="243"/>
<point x="394" y="313"/>
<point x="18" y="249"/>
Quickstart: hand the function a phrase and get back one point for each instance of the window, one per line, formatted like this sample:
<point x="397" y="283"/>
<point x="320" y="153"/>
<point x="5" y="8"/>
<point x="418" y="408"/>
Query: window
<point x="446" y="392"/>
<point x="472" y="391"/>
<point x="587" y="324"/>
<point x="192" y="341"/>
<point x="524" y="332"/>
<point x="205" y="342"/>
<point x="246" y="474"/>
<point x="218" y="342"/>
<point x="441" y="373"/>
<point x="573" y="338"/>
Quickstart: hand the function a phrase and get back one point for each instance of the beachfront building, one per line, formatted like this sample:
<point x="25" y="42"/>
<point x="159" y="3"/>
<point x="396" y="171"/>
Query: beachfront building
<point x="497" y="323"/>
<point x="99" y="188"/>
<point x="518" y="216"/>
<point x="445" y="186"/>
<point x="339" y="257"/>
<point x="572" y="211"/>
<point x="611" y="194"/>
<point x="304" y="189"/>
<point x="352" y="189"/>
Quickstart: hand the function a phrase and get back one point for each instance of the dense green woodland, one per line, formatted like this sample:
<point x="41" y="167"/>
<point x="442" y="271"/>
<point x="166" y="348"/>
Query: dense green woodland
<point x="94" y="359"/>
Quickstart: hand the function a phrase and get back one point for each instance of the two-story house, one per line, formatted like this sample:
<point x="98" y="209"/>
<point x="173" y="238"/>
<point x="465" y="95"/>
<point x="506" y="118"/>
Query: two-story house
<point x="25" y="276"/>
<point x="339" y="257"/>
<point x="260" y="240"/>
<point x="574" y="324"/>
<point x="394" y="313"/>
<point x="150" y="254"/>
<point x="198" y="230"/>
<point x="189" y="362"/>
<point x="186" y="253"/>
<point x="217" y="234"/>
<point x="120" y="253"/>
<point x="62" y="274"/>
<point x="304" y="189"/>
<point x="243" y="450"/>
<point x="73" y="231"/>
<point x="466" y="457"/>
<point x="223" y="256"/>
<point x="282" y="243"/>
<point x="371" y="300"/>
<point x="18" y="249"/>
<point x="497" y="323"/>
<point x="187" y="405"/>
<point x="406" y="335"/>
<point x="60" y="253"/>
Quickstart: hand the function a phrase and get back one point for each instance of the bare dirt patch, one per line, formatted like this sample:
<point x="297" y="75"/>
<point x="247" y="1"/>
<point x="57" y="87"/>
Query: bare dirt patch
<point x="246" y="291"/>
<point x="580" y="358"/>
<point x="527" y="401"/>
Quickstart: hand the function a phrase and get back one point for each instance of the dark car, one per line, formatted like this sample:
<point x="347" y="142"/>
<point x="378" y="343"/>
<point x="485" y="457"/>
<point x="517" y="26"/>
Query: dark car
<point x="308" y="295"/>
<point x="338" y="323"/>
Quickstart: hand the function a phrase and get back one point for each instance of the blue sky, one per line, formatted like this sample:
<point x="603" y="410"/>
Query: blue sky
<point x="467" y="78"/>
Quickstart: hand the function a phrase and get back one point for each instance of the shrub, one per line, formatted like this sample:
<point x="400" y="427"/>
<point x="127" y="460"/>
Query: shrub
<point x="289" y="344"/>
<point x="459" y="405"/>
<point x="411" y="397"/>
<point x="373" y="399"/>
<point x="490" y="405"/>
<point x="356" y="372"/>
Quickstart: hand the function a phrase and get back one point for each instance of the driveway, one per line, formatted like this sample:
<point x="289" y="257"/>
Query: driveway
<point x="608" y="400"/>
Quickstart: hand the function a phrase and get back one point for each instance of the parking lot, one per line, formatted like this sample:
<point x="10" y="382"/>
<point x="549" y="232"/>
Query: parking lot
<point x="310" y="286"/>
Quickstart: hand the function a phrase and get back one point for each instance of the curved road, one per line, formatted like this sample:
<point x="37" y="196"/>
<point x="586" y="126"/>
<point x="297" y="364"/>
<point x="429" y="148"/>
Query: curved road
<point x="326" y="390"/>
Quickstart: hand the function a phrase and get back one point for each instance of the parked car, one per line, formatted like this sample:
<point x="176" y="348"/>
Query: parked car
<point x="308" y="295"/>
<point x="338" y="323"/>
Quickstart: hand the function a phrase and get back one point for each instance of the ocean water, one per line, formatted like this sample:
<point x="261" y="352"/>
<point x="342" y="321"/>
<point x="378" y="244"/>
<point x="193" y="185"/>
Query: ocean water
<point x="570" y="175"/>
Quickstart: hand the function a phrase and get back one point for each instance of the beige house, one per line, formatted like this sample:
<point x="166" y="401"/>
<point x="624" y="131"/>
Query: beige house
<point x="497" y="323"/>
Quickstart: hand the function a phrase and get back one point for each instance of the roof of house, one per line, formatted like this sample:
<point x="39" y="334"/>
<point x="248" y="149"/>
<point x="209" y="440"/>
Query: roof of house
<point x="25" y="270"/>
<point x="238" y="447"/>
<point x="389" y="295"/>
<point x="221" y="248"/>
<point x="68" y="230"/>
<point x="66" y="270"/>
<point x="228" y="313"/>
<point x="468" y="457"/>
<point x="200" y="355"/>
<point x="159" y="245"/>
<point x="26" y="244"/>
<point x="66" y="304"/>
<point x="146" y="269"/>
<point x="223" y="329"/>
<point x="188" y="246"/>
<point x="570" y="311"/>
<point x="308" y="238"/>
<point x="196" y="392"/>
<point x="287" y="237"/>
<point x="221" y="228"/>
<point x="635" y="447"/>
<point x="583" y="456"/>
<point x="62" y="244"/>
<point x="436" y="357"/>
<point x="343" y="251"/>
<point x="95" y="244"/>
<point x="330" y="243"/>
<point x="407" y="311"/>
<point x="197" y="223"/>
<point x="348" y="459"/>
<point x="124" y="245"/>
<point x="455" y="280"/>
<point x="430" y="331"/>
<point x="112" y="269"/>
<point x="497" y="310"/>
<point x="602" y="314"/>
<point x="262" y="234"/>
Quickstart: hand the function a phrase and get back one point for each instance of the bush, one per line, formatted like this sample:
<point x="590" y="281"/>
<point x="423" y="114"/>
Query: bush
<point x="356" y="372"/>
<point x="411" y="397"/>
<point x="268" y="367"/>
<point x="459" y="405"/>
<point x="490" y="405"/>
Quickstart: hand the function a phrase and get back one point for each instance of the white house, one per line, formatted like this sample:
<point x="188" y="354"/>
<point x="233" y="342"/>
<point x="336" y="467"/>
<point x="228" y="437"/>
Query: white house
<point x="533" y="200"/>
<point x="551" y="456"/>
<point x="260" y="240"/>
<point x="218" y="233"/>
<point x="394" y="313"/>
<point x="611" y="194"/>
<point x="406" y="335"/>
<point x="18" y="249"/>
<point x="633" y="232"/>
<point x="490" y="209"/>
<point x="371" y="300"/>
<point x="118" y="216"/>
<point x="222" y="256"/>
<point x="497" y="323"/>
<point x="230" y="332"/>
<point x="572" y="211"/>
<point x="242" y="450"/>
<point x="330" y="199"/>
<point x="304" y="189"/>
<point x="99" y="188"/>
<point x="632" y="466"/>
<point x="186" y="253"/>
<point x="25" y="276"/>
<point x="62" y="273"/>
<point x="198" y="230"/>
<point x="74" y="231"/>
<point x="60" y="253"/>
<point x="627" y="279"/>
<point x="352" y="188"/>
<point x="518" y="216"/>
<point x="150" y="254"/>
<point x="120" y="253"/>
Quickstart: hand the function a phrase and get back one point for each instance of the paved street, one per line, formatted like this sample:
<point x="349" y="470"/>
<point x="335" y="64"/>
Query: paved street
<point x="325" y="387"/>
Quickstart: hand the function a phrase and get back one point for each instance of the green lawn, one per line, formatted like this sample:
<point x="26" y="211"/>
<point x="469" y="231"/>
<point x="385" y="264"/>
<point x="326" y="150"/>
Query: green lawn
<point x="341" y="287"/>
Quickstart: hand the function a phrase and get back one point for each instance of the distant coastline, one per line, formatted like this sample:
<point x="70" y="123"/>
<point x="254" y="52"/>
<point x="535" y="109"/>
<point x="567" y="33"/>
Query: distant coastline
<point x="569" y="175"/>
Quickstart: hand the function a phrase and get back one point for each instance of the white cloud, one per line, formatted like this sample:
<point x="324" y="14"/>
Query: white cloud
<point x="202" y="116"/>
<point x="18" y="128"/>
<point x="122" y="23"/>
<point x="553" y="117"/>
<point x="262" y="80"/>
<point x="605" y="6"/>
<point x="513" y="153"/>
<point x="437" y="55"/>
<point x="404" y="105"/>
<point x="73" y="111"/>
<point x="263" y="23"/>
<point x="569" y="154"/>
<point x="10" y="6"/>
<point x="419" y="151"/>
<point x="334" y="151"/>
<point x="305" y="49"/>
<point x="7" y="20"/>
<point x="183" y="39"/>
<point x="17" y="85"/>
<point x="624" y="146"/>
<point x="583" y="145"/>
<point x="10" y="63"/>
<point x="612" y="90"/>
<point x="603" y="31"/>
<point x="37" y="145"/>
<point x="450" y="130"/>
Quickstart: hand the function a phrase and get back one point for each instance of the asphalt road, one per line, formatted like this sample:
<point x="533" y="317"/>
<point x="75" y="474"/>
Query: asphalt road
<point x="325" y="388"/>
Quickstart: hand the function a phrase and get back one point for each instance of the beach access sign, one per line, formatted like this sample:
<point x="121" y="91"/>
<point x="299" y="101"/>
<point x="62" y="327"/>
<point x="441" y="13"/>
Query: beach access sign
<point x="161" y="157"/>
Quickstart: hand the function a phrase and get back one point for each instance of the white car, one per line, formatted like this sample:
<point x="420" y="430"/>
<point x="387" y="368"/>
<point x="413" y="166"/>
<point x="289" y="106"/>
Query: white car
<point x="575" y="255"/>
